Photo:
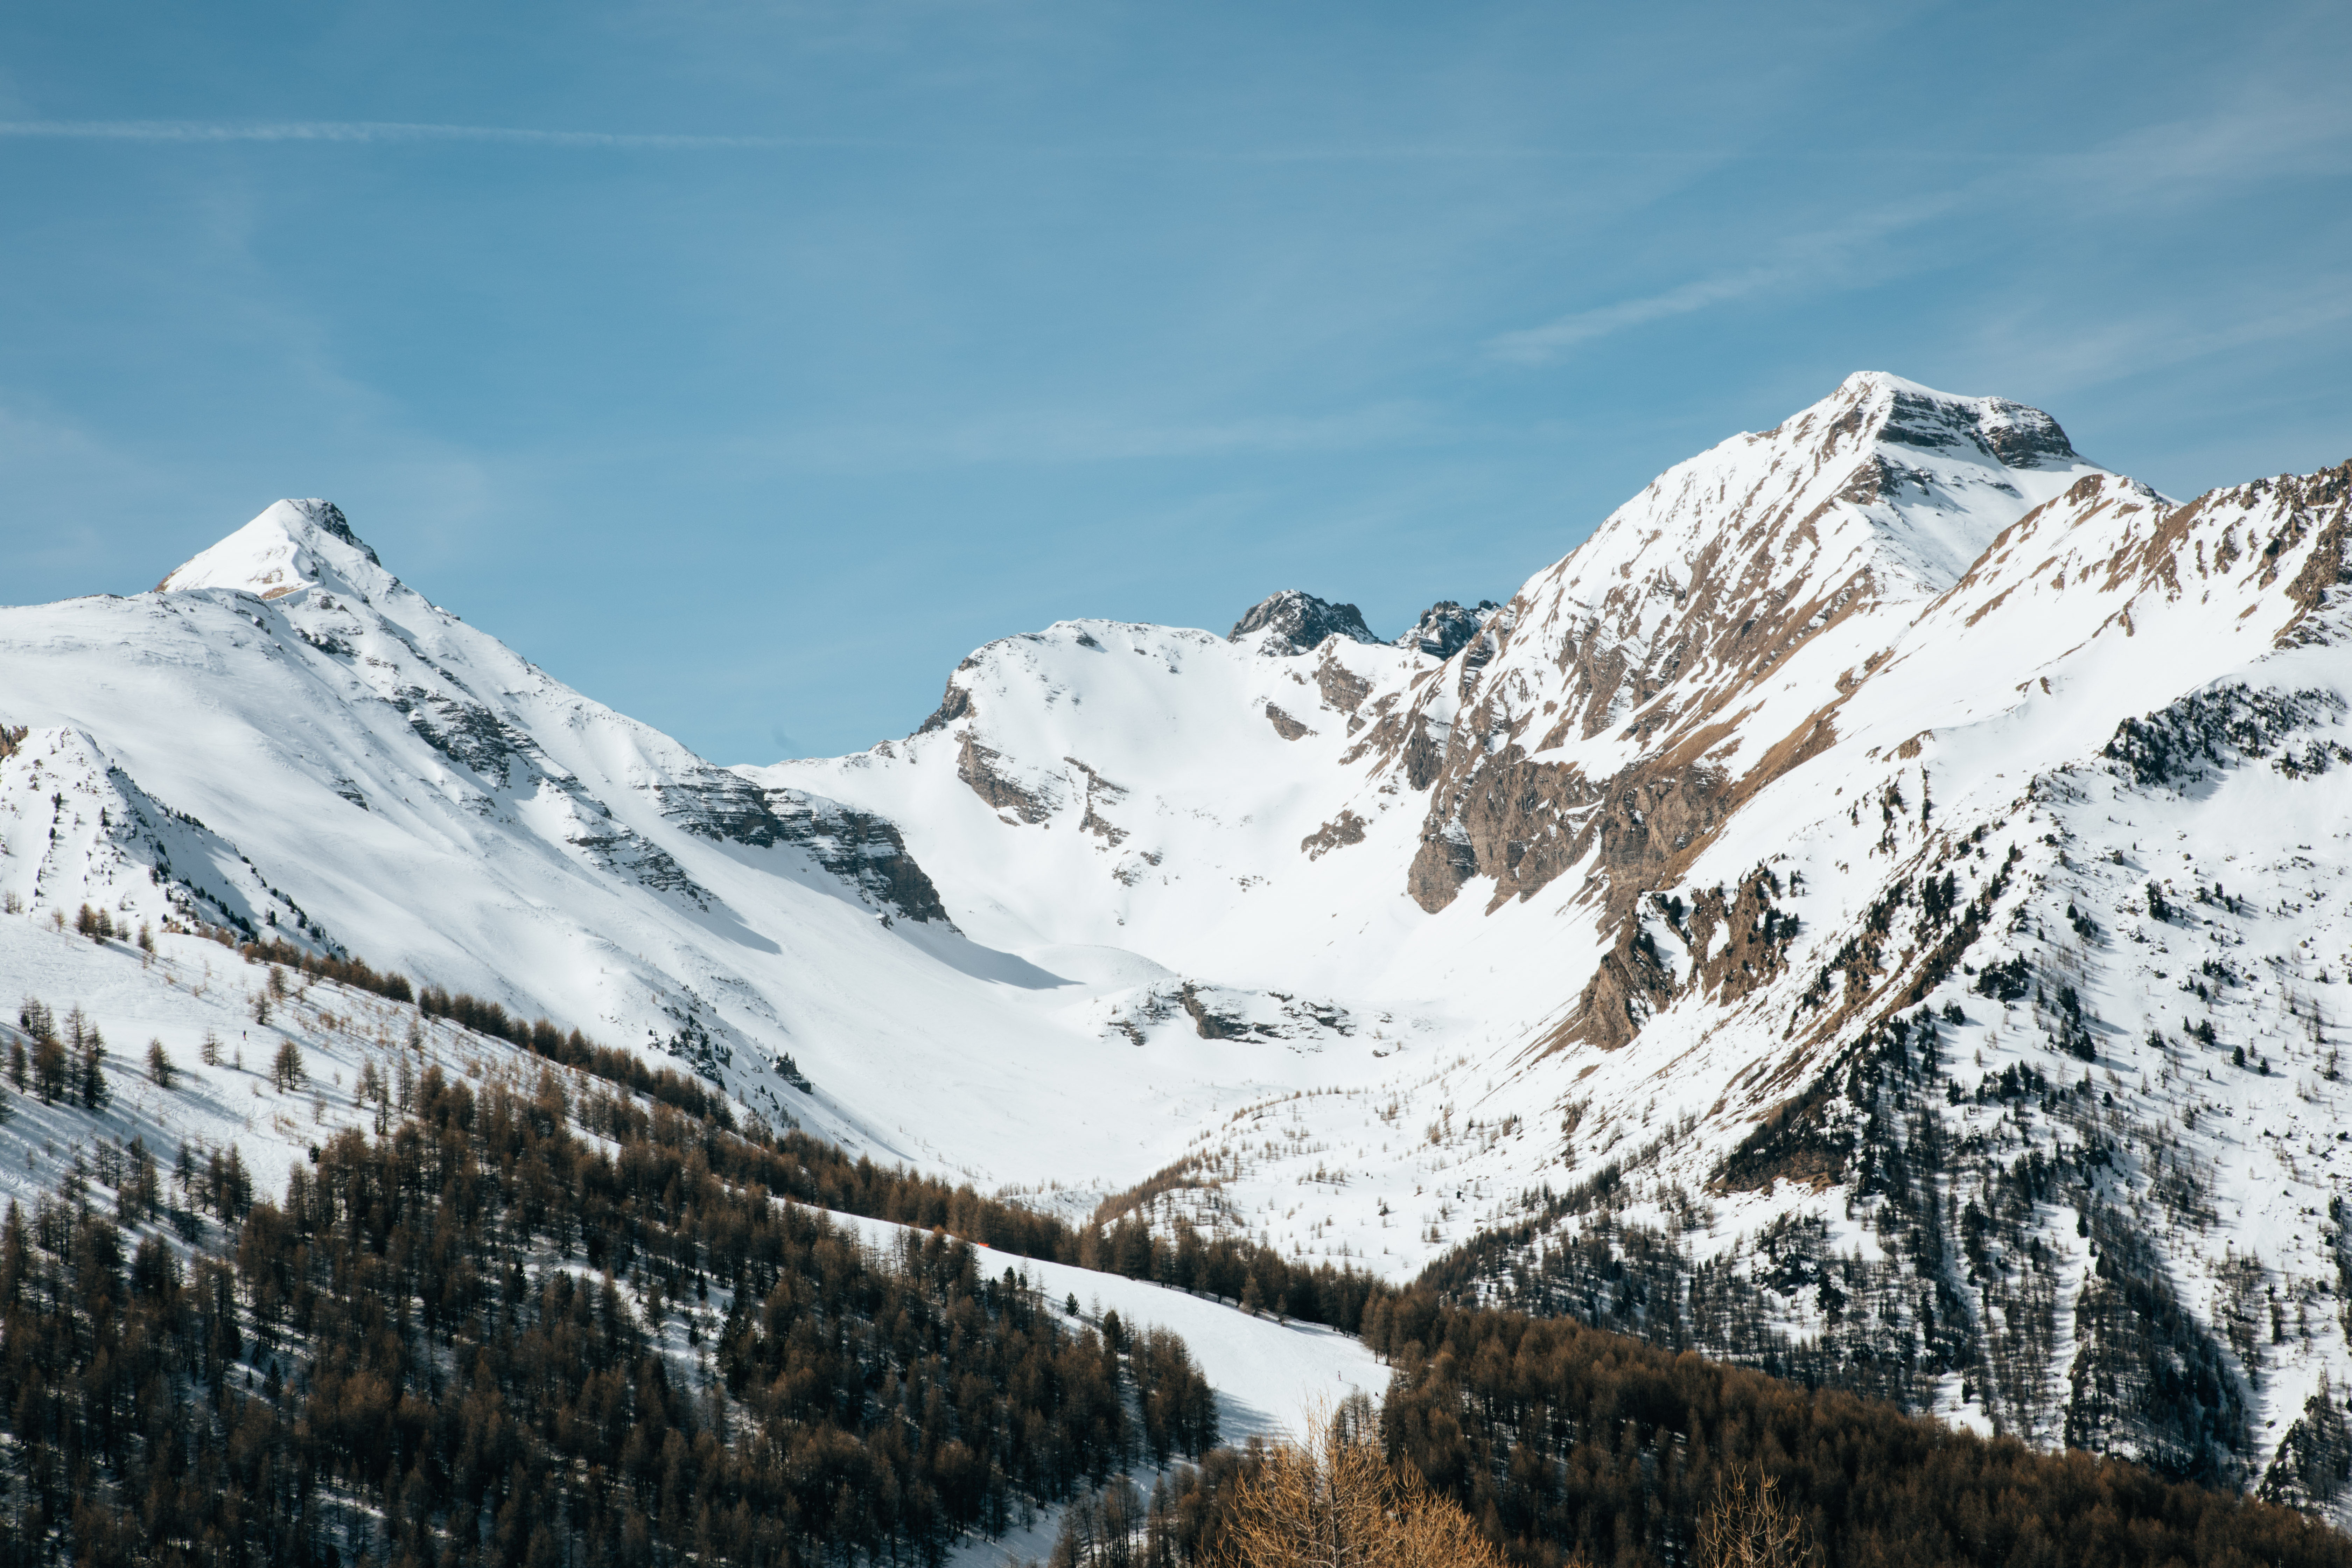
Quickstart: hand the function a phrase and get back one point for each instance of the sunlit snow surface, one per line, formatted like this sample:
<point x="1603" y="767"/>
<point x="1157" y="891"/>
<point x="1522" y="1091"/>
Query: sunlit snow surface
<point x="1176" y="868"/>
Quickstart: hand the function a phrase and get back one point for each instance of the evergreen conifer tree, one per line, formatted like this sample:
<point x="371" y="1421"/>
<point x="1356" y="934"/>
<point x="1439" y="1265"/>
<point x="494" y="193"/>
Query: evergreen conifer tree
<point x="90" y="1075"/>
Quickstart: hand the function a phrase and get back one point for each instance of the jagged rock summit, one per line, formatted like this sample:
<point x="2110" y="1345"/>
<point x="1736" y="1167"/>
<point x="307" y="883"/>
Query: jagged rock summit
<point x="1294" y="622"/>
<point x="1446" y="627"/>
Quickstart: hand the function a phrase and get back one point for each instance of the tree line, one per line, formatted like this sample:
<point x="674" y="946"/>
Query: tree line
<point x="534" y="1329"/>
<point x="1563" y="1440"/>
<point x="1559" y="1440"/>
<point x="793" y="1164"/>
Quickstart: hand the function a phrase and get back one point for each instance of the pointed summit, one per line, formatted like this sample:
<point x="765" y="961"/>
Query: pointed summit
<point x="294" y="545"/>
<point x="1839" y="522"/>
<point x="1885" y="486"/>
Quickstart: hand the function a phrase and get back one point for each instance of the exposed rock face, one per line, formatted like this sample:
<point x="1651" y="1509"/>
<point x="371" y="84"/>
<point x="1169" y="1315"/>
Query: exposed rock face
<point x="1342" y="688"/>
<point x="1342" y="830"/>
<point x="956" y="704"/>
<point x="858" y="846"/>
<point x="2007" y="432"/>
<point x="1446" y="627"/>
<point x="1656" y="637"/>
<point x="1300" y="623"/>
<point x="330" y="517"/>
<point x="1288" y="728"/>
<point x="1099" y="790"/>
<point x="976" y="766"/>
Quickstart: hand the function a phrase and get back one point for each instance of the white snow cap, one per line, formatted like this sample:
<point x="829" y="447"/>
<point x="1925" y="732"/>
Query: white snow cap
<point x="295" y="544"/>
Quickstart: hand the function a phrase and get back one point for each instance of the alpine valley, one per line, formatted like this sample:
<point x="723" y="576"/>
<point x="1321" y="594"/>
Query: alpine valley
<point x="1879" y="911"/>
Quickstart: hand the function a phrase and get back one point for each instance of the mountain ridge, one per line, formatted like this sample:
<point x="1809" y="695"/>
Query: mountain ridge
<point x="1811" y="922"/>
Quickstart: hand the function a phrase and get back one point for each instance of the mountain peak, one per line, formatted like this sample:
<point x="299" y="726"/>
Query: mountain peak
<point x="1906" y="414"/>
<point x="1299" y="622"/>
<point x="292" y="545"/>
<point x="1446" y="627"/>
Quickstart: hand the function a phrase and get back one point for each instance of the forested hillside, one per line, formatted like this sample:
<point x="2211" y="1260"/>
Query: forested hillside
<point x="526" y="1324"/>
<point x="505" y="1295"/>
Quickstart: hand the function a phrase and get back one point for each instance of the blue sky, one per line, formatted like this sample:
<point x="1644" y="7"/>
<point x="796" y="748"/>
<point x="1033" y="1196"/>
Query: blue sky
<point x="746" y="365"/>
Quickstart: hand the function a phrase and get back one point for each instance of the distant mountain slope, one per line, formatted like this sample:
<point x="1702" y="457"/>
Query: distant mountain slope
<point x="288" y="740"/>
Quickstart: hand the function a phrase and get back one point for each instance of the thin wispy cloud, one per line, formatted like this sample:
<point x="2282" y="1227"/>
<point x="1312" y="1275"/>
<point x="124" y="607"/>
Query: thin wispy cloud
<point x="361" y="131"/>
<point x="2183" y="332"/>
<point x="1539" y="346"/>
<point x="392" y="130"/>
<point x="1823" y="254"/>
<point x="2183" y="159"/>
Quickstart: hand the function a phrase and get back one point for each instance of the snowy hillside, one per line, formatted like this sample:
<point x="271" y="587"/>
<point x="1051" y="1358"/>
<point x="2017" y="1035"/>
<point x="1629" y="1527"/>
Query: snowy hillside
<point x="202" y="1109"/>
<point x="1873" y="911"/>
<point x="285" y="739"/>
<point x="1266" y="1373"/>
<point x="1768" y="901"/>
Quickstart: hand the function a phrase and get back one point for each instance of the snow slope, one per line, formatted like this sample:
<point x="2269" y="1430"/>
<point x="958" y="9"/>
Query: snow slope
<point x="1818" y="920"/>
<point x="1268" y="1376"/>
<point x="285" y="738"/>
<point x="1680" y="883"/>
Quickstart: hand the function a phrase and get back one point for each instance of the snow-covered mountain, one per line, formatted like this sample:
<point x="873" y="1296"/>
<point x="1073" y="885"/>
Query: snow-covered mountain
<point x="285" y="739"/>
<point x="1873" y="909"/>
<point x="1799" y="915"/>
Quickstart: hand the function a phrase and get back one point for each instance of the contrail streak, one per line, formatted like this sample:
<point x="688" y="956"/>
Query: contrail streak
<point x="380" y="131"/>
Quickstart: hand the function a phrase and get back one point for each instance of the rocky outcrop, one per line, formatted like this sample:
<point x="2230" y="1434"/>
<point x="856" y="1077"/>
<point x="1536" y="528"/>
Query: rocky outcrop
<point x="1658" y="634"/>
<point x="1099" y="789"/>
<point x="1300" y="623"/>
<point x="1288" y="728"/>
<point x="2010" y="434"/>
<point x="976" y="766"/>
<point x="1446" y="627"/>
<point x="1340" y="831"/>
<point x="956" y="704"/>
<point x="860" y="848"/>
<point x="1404" y="736"/>
<point x="1342" y="688"/>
